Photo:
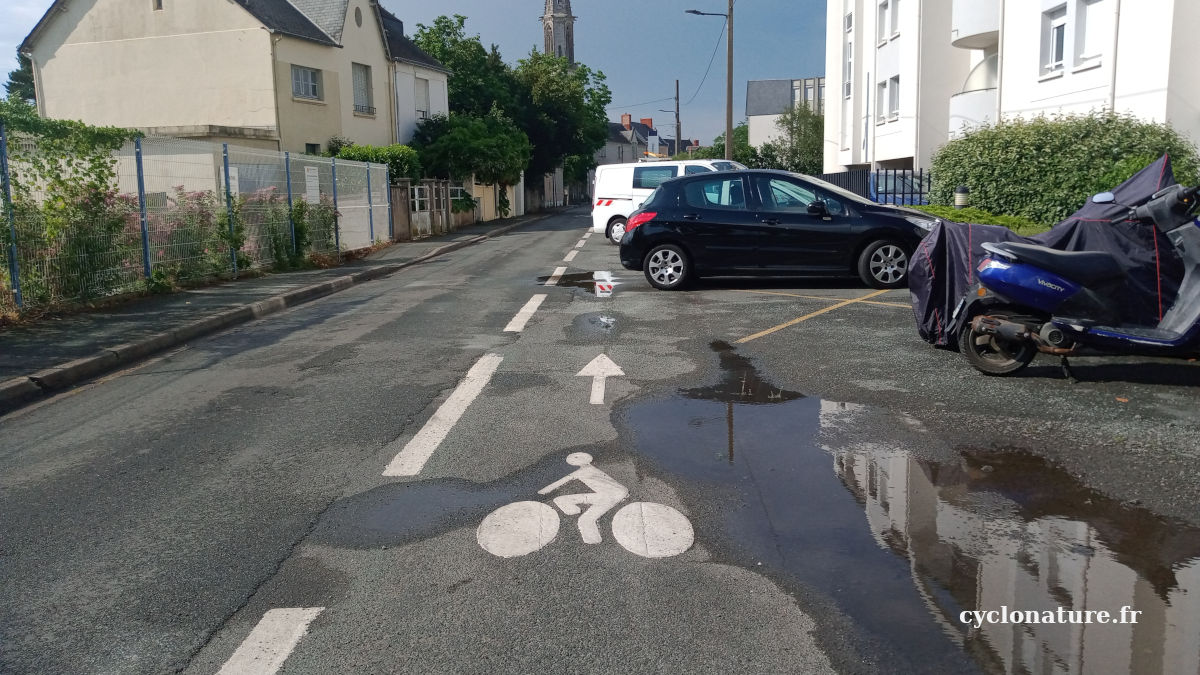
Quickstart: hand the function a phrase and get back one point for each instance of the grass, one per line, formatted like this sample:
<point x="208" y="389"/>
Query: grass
<point x="1023" y="227"/>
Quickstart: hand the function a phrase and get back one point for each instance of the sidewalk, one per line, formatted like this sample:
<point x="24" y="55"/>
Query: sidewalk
<point x="58" y="352"/>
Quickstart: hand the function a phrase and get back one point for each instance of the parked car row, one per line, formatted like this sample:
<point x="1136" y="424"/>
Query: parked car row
<point x="698" y="222"/>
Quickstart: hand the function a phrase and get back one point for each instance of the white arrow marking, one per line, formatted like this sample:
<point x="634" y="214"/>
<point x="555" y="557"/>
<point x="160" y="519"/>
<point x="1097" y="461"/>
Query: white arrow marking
<point x="599" y="369"/>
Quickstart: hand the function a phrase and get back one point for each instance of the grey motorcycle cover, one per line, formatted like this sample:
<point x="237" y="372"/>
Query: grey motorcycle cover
<point x="944" y="265"/>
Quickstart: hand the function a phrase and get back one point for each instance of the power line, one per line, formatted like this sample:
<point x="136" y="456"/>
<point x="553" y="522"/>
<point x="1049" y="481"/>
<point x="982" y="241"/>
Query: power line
<point x="635" y="105"/>
<point x="717" y="46"/>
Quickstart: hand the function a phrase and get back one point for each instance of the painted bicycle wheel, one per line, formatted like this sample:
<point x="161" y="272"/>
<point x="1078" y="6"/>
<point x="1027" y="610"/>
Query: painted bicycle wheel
<point x="518" y="529"/>
<point x="652" y="530"/>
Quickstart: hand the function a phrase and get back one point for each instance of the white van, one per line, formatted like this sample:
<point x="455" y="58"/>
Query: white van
<point x="620" y="189"/>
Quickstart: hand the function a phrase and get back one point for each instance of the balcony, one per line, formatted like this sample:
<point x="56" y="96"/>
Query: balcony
<point x="971" y="109"/>
<point x="975" y="24"/>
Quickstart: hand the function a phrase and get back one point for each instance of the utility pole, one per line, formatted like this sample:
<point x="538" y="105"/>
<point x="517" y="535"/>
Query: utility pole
<point x="678" y="126"/>
<point x="729" y="86"/>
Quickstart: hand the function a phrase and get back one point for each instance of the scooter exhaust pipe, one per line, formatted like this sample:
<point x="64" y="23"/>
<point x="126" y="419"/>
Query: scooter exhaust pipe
<point x="1013" y="331"/>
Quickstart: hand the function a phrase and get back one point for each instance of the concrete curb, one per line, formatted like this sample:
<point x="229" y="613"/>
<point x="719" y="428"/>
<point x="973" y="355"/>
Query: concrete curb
<point x="19" y="391"/>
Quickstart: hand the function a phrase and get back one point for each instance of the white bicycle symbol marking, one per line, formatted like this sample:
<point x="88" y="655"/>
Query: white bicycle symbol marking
<point x="644" y="528"/>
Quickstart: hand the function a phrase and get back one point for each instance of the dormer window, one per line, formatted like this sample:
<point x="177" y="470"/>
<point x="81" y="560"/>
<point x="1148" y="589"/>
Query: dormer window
<point x="158" y="5"/>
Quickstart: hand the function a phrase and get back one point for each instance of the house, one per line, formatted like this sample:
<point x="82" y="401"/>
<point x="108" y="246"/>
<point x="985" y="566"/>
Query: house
<point x="272" y="74"/>
<point x="766" y="100"/>
<point x="915" y="73"/>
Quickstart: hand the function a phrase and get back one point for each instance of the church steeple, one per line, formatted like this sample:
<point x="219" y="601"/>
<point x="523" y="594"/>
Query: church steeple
<point x="559" y="26"/>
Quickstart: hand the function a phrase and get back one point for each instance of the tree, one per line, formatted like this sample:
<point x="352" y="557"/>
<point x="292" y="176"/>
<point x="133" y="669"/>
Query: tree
<point x="564" y="109"/>
<point x="20" y="81"/>
<point x="480" y="79"/>
<point x="459" y="146"/>
<point x="801" y="143"/>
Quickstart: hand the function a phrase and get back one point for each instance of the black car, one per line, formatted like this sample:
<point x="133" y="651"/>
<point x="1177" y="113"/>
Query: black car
<point x="773" y="223"/>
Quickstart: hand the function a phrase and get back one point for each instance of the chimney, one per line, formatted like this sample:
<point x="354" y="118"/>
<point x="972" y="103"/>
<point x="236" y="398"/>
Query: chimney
<point x="648" y="121"/>
<point x="627" y="120"/>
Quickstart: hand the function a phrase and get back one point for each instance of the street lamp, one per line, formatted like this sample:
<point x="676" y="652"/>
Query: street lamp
<point x="728" y="75"/>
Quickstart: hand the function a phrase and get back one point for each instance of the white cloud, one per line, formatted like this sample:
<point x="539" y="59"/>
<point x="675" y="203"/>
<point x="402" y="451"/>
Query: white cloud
<point x="18" y="18"/>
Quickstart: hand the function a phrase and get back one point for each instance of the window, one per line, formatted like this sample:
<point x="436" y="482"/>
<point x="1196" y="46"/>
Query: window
<point x="881" y="102"/>
<point x="362" y="89"/>
<point x="781" y="195"/>
<point x="306" y="83"/>
<point x="848" y="69"/>
<point x="158" y="5"/>
<point x="693" y="169"/>
<point x="881" y="23"/>
<point x="895" y="17"/>
<point x="1093" y="31"/>
<point x="894" y="97"/>
<point x="620" y="153"/>
<point x="848" y="22"/>
<point x="421" y="96"/>
<point x="1054" y="39"/>
<point x="312" y="148"/>
<point x="650" y="177"/>
<point x="715" y="193"/>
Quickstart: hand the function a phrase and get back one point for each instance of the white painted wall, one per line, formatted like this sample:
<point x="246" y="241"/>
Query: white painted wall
<point x="121" y="63"/>
<point x="406" y="75"/>
<point x="763" y="129"/>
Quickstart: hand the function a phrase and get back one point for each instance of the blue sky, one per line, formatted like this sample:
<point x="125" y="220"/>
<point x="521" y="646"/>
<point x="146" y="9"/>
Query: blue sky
<point x="641" y="45"/>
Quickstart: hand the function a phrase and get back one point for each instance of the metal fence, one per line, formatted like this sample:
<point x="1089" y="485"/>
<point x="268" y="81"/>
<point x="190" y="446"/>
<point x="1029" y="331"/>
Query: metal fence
<point x="885" y="186"/>
<point x="168" y="211"/>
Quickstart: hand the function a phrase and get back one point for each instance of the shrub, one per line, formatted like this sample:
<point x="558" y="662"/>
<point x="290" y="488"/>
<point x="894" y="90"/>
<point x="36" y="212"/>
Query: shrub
<point x="1045" y="169"/>
<point x="402" y="161"/>
<point x="1021" y="226"/>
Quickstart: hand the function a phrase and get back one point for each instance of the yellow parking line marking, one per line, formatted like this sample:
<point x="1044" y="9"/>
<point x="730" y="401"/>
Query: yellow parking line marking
<point x="826" y="297"/>
<point x="806" y="317"/>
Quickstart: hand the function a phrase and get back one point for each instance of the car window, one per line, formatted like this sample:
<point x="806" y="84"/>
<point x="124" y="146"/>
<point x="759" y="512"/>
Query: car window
<point x="650" y="177"/>
<point x="779" y="194"/>
<point x="693" y="169"/>
<point x="715" y="193"/>
<point x="728" y="166"/>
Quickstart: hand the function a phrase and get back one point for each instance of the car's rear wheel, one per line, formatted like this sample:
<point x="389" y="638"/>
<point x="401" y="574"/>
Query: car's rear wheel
<point x="668" y="267"/>
<point x="616" y="230"/>
<point x="883" y="264"/>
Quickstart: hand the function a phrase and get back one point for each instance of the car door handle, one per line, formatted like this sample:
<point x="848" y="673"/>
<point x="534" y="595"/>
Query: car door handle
<point x="771" y="221"/>
<point x="691" y="216"/>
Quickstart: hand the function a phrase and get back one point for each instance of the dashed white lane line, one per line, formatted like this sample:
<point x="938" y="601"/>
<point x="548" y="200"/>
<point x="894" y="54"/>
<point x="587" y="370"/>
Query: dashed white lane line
<point x="271" y="641"/>
<point x="571" y="255"/>
<point x="518" y="322"/>
<point x="410" y="460"/>
<point x="581" y="243"/>
<point x="558" y="272"/>
<point x="586" y="235"/>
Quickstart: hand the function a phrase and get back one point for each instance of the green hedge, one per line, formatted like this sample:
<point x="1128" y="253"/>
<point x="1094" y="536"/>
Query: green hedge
<point x="402" y="161"/>
<point x="1045" y="169"/>
<point x="1021" y="226"/>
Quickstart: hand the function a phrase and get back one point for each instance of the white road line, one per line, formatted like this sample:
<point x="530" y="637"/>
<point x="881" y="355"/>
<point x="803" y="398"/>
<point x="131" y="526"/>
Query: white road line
<point x="518" y="322"/>
<point x="586" y="235"/>
<point x="581" y="243"/>
<point x="410" y="460"/>
<point x="271" y="641"/>
<point x="571" y="255"/>
<point x="558" y="272"/>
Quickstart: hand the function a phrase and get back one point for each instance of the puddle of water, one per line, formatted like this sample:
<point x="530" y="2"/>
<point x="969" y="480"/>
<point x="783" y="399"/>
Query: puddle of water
<point x="903" y="545"/>
<point x="575" y="280"/>
<point x="593" y="326"/>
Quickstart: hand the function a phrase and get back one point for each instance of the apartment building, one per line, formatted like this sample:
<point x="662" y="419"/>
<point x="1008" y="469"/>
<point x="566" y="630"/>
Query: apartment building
<point x="893" y="70"/>
<point x="972" y="62"/>
<point x="766" y="100"/>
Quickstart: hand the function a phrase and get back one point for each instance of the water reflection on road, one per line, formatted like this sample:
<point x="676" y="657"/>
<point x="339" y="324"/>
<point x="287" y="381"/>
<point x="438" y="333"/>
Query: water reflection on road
<point x="788" y="485"/>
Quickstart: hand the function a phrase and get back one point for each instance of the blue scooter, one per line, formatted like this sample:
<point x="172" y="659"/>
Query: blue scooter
<point x="1032" y="299"/>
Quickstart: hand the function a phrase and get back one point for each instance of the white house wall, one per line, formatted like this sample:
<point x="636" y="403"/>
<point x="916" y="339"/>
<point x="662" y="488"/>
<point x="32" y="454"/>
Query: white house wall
<point x="120" y="63"/>
<point x="406" y="75"/>
<point x="1183" y="102"/>
<point x="763" y="129"/>
<point x="364" y="45"/>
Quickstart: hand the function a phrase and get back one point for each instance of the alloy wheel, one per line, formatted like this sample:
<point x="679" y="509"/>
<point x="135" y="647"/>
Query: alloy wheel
<point x="889" y="264"/>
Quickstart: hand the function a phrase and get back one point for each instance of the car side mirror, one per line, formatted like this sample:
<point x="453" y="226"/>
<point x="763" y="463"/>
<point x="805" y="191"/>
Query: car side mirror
<point x="817" y="209"/>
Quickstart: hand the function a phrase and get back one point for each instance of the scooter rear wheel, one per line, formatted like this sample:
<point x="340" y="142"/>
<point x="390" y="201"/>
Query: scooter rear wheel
<point x="993" y="355"/>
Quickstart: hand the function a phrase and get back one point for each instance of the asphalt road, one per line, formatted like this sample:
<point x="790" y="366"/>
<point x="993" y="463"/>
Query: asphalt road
<point x="850" y="490"/>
